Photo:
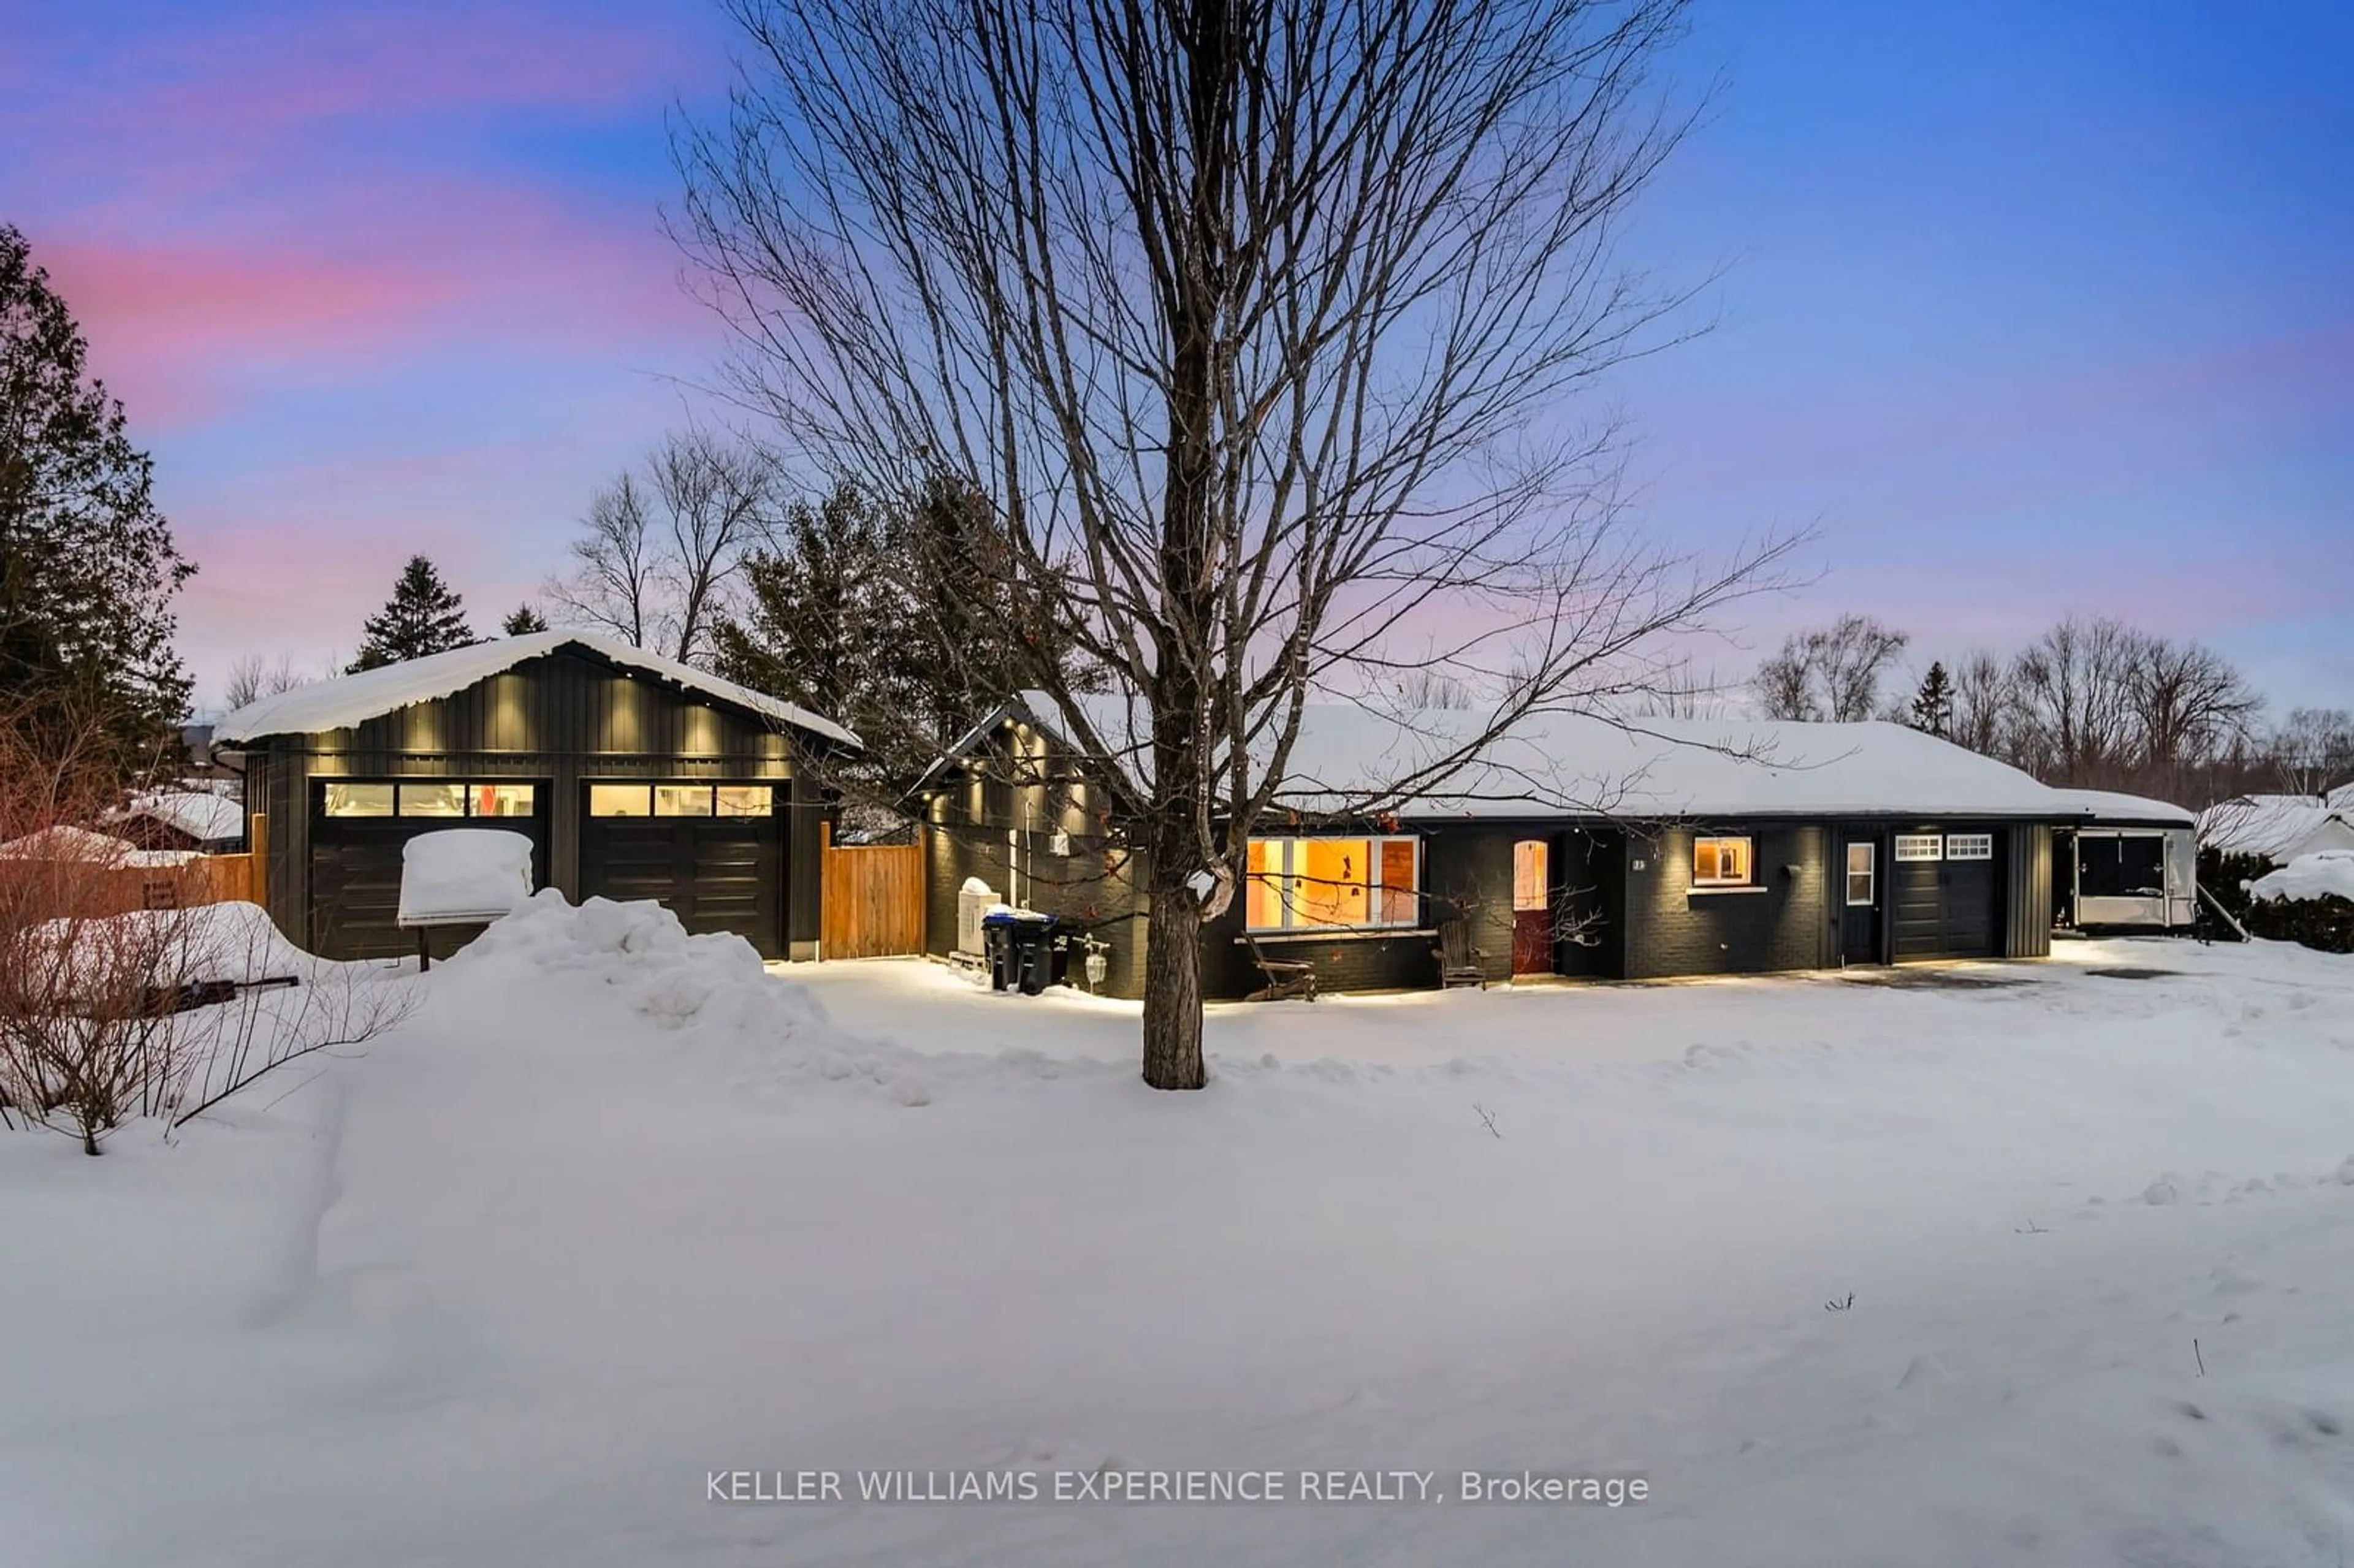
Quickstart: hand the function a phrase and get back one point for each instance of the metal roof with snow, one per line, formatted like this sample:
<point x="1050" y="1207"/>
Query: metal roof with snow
<point x="350" y="700"/>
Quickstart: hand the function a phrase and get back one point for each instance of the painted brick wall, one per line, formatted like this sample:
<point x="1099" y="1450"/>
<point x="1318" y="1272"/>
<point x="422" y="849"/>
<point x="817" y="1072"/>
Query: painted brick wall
<point x="1672" y="929"/>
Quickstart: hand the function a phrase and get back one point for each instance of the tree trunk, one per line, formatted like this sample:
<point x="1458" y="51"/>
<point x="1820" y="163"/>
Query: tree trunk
<point x="1173" y="991"/>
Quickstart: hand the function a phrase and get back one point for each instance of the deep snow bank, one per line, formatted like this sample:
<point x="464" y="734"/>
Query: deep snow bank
<point x="709" y="998"/>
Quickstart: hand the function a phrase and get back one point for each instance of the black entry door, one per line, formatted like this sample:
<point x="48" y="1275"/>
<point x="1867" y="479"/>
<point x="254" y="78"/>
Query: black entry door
<point x="715" y="873"/>
<point x="1859" y="925"/>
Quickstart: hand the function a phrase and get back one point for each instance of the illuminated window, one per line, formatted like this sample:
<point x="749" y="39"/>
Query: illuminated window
<point x="1529" y="874"/>
<point x="745" y="800"/>
<point x="501" y="799"/>
<point x="1720" y="862"/>
<point x="359" y="799"/>
<point x="1969" y="846"/>
<point x="1919" y="846"/>
<point x="1331" y="883"/>
<point x="620" y="801"/>
<point x="434" y="799"/>
<point x="682" y="800"/>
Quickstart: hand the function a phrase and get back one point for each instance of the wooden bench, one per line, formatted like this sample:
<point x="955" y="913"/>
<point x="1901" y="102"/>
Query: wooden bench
<point x="1285" y="977"/>
<point x="1459" y="963"/>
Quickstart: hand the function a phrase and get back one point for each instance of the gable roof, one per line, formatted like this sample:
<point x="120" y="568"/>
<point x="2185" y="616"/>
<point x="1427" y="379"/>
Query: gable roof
<point x="199" y="813"/>
<point x="1578" y="765"/>
<point x="349" y="700"/>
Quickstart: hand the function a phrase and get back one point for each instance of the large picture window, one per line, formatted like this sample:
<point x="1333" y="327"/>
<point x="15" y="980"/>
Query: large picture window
<point x="1332" y="884"/>
<point x="1720" y="862"/>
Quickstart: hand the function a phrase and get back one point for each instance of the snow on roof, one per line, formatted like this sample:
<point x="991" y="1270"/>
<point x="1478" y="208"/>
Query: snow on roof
<point x="2322" y="874"/>
<point x="1556" y="765"/>
<point x="201" y="814"/>
<point x="2108" y="806"/>
<point x="350" y="700"/>
<point x="66" y="842"/>
<point x="2277" y="827"/>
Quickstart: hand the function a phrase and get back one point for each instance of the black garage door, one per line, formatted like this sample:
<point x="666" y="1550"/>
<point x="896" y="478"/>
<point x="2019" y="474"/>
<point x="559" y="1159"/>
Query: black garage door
<point x="1941" y="895"/>
<point x="357" y="829"/>
<point x="714" y="853"/>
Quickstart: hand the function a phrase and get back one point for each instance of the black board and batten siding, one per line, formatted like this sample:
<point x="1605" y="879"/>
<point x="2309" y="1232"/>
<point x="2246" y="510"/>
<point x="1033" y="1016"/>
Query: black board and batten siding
<point x="559" y="722"/>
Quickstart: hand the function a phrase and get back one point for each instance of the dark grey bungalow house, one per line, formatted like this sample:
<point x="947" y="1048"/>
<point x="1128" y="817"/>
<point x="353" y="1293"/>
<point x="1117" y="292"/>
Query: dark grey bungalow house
<point x="634" y="777"/>
<point x="1575" y="847"/>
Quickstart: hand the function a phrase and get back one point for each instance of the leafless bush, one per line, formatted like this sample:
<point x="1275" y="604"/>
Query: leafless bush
<point x="97" y="1025"/>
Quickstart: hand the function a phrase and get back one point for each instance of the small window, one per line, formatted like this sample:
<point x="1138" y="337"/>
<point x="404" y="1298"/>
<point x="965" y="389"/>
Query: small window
<point x="503" y="799"/>
<point x="1860" y="872"/>
<point x="620" y="801"/>
<point x="434" y="800"/>
<point x="1920" y="846"/>
<point x="682" y="800"/>
<point x="1528" y="875"/>
<point x="359" y="799"/>
<point x="1720" y="862"/>
<point x="1969" y="846"/>
<point x="745" y="799"/>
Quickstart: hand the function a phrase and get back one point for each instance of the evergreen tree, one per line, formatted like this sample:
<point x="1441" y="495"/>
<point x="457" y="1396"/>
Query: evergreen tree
<point x="88" y="567"/>
<point x="523" y="621"/>
<point x="1933" y="705"/>
<point x="422" y="617"/>
<point x="902" y="624"/>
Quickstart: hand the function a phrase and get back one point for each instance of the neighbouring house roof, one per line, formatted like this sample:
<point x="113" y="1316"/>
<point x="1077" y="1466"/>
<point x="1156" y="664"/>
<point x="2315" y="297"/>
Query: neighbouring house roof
<point x="202" y="814"/>
<point x="2108" y="806"/>
<point x="2278" y="827"/>
<point x="66" y="842"/>
<point x="350" y="700"/>
<point x="1563" y="765"/>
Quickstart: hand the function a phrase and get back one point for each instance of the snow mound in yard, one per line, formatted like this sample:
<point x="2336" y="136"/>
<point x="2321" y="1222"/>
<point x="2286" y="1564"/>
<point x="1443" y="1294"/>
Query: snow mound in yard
<point x="711" y="993"/>
<point x="2320" y="874"/>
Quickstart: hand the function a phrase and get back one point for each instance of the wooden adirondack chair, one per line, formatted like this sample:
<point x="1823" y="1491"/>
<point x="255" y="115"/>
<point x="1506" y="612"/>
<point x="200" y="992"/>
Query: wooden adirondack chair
<point x="1285" y="977"/>
<point x="1459" y="963"/>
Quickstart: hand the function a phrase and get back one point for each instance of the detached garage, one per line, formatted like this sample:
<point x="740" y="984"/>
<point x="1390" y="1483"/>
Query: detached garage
<point x="634" y="776"/>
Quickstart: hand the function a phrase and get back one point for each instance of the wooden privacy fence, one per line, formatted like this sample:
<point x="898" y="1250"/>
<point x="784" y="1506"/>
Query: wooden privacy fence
<point x="872" y="898"/>
<point x="98" y="889"/>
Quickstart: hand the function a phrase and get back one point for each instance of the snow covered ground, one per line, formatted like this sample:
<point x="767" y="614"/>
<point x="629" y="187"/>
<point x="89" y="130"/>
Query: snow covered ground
<point x="617" y="1210"/>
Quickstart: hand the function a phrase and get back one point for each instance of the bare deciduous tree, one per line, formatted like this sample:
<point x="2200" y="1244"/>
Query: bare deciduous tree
<point x="1266" y="319"/>
<point x="2312" y="752"/>
<point x="1832" y="674"/>
<point x="252" y="678"/>
<point x="657" y="556"/>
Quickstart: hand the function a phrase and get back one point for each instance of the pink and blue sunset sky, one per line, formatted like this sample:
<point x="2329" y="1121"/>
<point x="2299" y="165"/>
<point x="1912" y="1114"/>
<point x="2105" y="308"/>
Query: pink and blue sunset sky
<point x="2025" y="307"/>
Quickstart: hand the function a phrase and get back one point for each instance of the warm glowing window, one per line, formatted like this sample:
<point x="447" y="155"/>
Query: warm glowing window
<point x="359" y="800"/>
<point x="434" y="800"/>
<point x="1330" y="884"/>
<point x="620" y="801"/>
<point x="431" y="798"/>
<point x="745" y="799"/>
<point x="682" y="800"/>
<point x="1720" y="861"/>
<point x="501" y="799"/>
<point x="1529" y="874"/>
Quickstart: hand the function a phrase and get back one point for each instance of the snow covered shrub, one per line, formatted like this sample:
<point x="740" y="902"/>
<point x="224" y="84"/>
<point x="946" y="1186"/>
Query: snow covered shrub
<point x="2310" y="900"/>
<point x="2227" y="877"/>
